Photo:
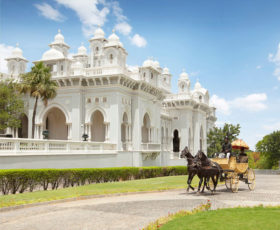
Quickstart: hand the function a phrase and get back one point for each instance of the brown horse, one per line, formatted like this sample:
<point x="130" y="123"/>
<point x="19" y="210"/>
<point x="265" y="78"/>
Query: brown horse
<point x="192" y="168"/>
<point x="206" y="170"/>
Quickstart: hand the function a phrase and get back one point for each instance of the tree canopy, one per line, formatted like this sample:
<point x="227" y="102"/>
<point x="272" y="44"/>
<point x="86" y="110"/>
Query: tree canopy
<point x="38" y="84"/>
<point x="216" y="136"/>
<point x="11" y="106"/>
<point x="269" y="146"/>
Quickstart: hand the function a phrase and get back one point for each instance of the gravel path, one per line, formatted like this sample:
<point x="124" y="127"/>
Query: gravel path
<point x="136" y="210"/>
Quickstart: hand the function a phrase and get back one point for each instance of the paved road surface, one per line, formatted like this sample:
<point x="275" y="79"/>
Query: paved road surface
<point x="133" y="211"/>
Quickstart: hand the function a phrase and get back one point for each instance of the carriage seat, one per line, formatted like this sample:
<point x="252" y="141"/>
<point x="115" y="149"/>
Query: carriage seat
<point x="243" y="159"/>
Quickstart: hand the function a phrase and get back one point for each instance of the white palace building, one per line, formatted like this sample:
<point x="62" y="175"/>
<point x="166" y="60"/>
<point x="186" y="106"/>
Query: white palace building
<point x="131" y="116"/>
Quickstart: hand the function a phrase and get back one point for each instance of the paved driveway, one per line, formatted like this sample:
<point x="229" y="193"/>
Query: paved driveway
<point x="133" y="211"/>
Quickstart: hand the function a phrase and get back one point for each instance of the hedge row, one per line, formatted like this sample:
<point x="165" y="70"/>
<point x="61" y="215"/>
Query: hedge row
<point x="21" y="180"/>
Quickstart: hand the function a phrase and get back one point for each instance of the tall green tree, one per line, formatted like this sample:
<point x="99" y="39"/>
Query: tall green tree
<point x="11" y="106"/>
<point x="38" y="84"/>
<point x="269" y="146"/>
<point x="216" y="136"/>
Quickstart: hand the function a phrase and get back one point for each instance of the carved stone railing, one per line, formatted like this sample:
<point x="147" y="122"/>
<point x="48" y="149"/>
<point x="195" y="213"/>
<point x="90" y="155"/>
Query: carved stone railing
<point x="19" y="146"/>
<point x="150" y="147"/>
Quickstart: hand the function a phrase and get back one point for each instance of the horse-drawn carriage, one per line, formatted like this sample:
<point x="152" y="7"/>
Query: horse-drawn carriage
<point x="235" y="172"/>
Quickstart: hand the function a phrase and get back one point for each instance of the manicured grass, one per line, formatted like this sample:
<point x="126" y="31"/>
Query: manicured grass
<point x="257" y="218"/>
<point x="153" y="184"/>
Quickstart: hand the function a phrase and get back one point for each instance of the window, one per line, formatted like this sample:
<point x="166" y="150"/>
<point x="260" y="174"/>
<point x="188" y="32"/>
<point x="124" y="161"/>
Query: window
<point x="96" y="100"/>
<point x="111" y="58"/>
<point x="144" y="76"/>
<point x="61" y="67"/>
<point x="200" y="98"/>
<point x="97" y="50"/>
<point x="152" y="76"/>
<point x="104" y="99"/>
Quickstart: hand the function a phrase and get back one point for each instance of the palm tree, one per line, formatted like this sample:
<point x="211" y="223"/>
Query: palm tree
<point x="38" y="84"/>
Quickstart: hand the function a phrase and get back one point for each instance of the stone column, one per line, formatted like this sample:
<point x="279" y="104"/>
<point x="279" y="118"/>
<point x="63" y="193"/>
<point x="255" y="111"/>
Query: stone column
<point x="107" y="124"/>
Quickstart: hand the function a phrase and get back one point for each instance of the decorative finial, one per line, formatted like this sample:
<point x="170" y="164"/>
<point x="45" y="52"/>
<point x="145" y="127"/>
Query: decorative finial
<point x="113" y="30"/>
<point x="59" y="31"/>
<point x="17" y="44"/>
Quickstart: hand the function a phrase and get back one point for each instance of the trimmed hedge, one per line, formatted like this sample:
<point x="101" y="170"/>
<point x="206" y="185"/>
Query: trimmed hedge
<point x="21" y="180"/>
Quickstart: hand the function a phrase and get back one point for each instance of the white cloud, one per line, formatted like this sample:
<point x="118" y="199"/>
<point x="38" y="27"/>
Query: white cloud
<point x="138" y="40"/>
<point x="276" y="60"/>
<point x="221" y="104"/>
<point x="118" y="12"/>
<point x="5" y="51"/>
<point x="49" y="12"/>
<point x="258" y="67"/>
<point x="250" y="103"/>
<point x="88" y="12"/>
<point x="124" y="28"/>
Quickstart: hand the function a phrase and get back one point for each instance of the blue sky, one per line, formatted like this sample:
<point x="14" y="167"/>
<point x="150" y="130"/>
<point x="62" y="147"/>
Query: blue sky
<point x="230" y="46"/>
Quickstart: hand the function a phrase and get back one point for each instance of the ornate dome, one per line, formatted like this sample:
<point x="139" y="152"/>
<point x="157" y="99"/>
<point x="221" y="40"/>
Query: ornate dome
<point x="114" y="40"/>
<point x="156" y="64"/>
<point x="165" y="71"/>
<point x="184" y="76"/>
<point x="52" y="54"/>
<point x="99" y="33"/>
<point x="58" y="38"/>
<point x="17" y="52"/>
<point x="82" y="50"/>
<point x="147" y="63"/>
<point x="197" y="86"/>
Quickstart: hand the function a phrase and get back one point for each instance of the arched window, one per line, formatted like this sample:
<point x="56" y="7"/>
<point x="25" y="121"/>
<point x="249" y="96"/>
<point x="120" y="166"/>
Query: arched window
<point x="124" y="128"/>
<point x="200" y="98"/>
<point x="146" y="129"/>
<point x="152" y="76"/>
<point x="162" y="135"/>
<point x="144" y="76"/>
<point x="190" y="140"/>
<point x="23" y="130"/>
<point x="97" y="50"/>
<point x="111" y="58"/>
<point x="176" y="141"/>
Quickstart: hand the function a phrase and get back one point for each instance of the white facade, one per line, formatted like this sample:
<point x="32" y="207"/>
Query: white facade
<point x="133" y="110"/>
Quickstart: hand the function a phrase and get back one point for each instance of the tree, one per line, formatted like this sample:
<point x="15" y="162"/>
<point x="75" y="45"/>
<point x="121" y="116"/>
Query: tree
<point x="11" y="106"/>
<point x="216" y="136"/>
<point x="269" y="147"/>
<point x="38" y="84"/>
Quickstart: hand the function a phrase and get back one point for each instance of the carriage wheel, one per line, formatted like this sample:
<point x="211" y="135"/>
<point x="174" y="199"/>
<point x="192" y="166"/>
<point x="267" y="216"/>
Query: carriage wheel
<point x="251" y="179"/>
<point x="234" y="182"/>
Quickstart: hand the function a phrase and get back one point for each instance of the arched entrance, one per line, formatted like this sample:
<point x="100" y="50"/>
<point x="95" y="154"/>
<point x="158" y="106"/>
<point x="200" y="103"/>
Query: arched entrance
<point x="146" y="129"/>
<point x="97" y="127"/>
<point x="176" y="141"/>
<point x="23" y="130"/>
<point x="55" y="123"/>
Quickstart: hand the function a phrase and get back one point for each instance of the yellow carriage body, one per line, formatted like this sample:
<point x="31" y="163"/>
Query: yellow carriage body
<point x="231" y="164"/>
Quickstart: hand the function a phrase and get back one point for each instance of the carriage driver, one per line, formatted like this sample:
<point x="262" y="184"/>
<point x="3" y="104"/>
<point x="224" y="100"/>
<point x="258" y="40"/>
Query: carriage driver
<point x="226" y="147"/>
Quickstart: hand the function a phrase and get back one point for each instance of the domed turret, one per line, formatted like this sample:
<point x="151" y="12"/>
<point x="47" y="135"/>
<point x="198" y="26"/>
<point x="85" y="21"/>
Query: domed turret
<point x="165" y="71"/>
<point x="156" y="64"/>
<point x="113" y="40"/>
<point x="184" y="83"/>
<point x="147" y="63"/>
<point x="52" y="54"/>
<point x="59" y="38"/>
<point x="197" y="86"/>
<point x="82" y="50"/>
<point x="99" y="33"/>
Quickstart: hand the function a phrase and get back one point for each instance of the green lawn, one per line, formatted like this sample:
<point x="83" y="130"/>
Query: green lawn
<point x="257" y="218"/>
<point x="153" y="184"/>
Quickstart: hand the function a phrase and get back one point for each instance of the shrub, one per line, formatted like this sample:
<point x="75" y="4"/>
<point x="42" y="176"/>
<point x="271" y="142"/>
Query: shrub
<point x="21" y="180"/>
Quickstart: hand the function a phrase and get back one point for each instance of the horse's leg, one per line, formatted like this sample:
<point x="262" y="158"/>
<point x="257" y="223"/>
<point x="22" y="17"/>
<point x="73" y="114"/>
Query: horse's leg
<point x="200" y="182"/>
<point x="190" y="181"/>
<point x="206" y="179"/>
